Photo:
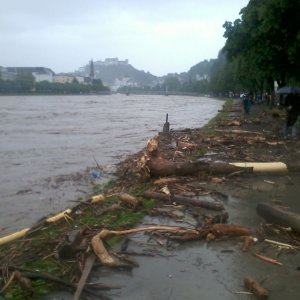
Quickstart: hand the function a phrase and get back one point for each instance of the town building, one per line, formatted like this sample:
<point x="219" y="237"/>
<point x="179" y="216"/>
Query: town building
<point x="63" y="78"/>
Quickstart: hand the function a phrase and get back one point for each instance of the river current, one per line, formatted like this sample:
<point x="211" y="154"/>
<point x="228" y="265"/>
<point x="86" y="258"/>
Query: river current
<point x="50" y="144"/>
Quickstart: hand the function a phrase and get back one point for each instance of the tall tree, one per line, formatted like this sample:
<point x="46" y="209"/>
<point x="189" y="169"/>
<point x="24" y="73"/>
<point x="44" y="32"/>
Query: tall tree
<point x="266" y="41"/>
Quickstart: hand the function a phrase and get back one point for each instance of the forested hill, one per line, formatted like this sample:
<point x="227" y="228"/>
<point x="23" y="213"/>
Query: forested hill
<point x="201" y="70"/>
<point x="109" y="73"/>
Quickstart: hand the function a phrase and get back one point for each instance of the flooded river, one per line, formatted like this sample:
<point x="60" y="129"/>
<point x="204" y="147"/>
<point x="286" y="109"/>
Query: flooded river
<point x="49" y="143"/>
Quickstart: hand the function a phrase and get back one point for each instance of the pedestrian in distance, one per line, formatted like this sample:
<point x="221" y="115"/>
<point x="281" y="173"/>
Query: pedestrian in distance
<point x="292" y="103"/>
<point x="246" y="103"/>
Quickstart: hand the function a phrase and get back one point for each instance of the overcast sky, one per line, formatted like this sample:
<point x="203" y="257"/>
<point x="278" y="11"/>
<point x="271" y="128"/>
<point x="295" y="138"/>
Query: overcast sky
<point x="159" y="36"/>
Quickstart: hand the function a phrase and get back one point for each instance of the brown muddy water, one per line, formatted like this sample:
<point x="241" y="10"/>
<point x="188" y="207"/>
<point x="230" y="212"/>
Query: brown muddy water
<point x="214" y="270"/>
<point x="49" y="145"/>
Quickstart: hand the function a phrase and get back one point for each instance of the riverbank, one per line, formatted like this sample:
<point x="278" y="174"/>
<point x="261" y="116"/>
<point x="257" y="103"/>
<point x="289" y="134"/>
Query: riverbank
<point x="61" y="249"/>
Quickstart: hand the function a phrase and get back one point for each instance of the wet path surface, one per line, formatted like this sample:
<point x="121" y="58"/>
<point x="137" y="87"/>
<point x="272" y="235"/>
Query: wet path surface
<point x="209" y="270"/>
<point x="48" y="142"/>
<point x="214" y="270"/>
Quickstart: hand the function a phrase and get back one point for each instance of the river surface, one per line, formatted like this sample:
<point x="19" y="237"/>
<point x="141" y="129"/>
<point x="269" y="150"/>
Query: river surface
<point x="50" y="144"/>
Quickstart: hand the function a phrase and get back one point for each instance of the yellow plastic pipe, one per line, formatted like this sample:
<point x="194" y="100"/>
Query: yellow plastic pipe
<point x="263" y="167"/>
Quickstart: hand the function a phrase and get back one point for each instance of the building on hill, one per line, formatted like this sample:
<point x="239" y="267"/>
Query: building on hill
<point x="39" y="73"/>
<point x="111" y="61"/>
<point x="116" y="73"/>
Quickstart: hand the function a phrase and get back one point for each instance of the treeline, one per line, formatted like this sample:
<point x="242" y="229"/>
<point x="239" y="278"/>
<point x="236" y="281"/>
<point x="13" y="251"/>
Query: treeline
<point x="262" y="47"/>
<point x="24" y="83"/>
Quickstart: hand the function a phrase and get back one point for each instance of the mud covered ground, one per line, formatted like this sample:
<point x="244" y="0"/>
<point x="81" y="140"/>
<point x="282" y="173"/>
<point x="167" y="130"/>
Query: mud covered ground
<point x="168" y="265"/>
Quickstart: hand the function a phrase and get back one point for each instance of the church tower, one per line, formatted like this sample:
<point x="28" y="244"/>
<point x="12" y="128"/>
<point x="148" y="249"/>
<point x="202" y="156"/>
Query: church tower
<point x="92" y="71"/>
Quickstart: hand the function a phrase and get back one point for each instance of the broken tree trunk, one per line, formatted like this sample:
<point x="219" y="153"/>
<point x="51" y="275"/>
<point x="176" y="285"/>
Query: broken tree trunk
<point x="159" y="166"/>
<point x="156" y="165"/>
<point x="184" y="200"/>
<point x="277" y="215"/>
<point x="256" y="288"/>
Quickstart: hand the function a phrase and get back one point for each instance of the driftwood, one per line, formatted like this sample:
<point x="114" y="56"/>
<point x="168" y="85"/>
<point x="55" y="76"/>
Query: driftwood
<point x="23" y="232"/>
<point x="184" y="200"/>
<point x="84" y="276"/>
<point x="256" y="288"/>
<point x="36" y="275"/>
<point x="214" y="231"/>
<point x="162" y="181"/>
<point x="277" y="215"/>
<point x="159" y="166"/>
<point x="156" y="165"/>
<point x="229" y="230"/>
<point x="184" y="145"/>
<point x="98" y="198"/>
<point x="281" y="245"/>
<point x="129" y="200"/>
<point x="267" y="259"/>
<point x="247" y="243"/>
<point x="103" y="255"/>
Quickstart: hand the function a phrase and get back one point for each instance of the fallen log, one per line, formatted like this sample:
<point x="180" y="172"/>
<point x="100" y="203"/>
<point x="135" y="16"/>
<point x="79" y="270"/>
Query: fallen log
<point x="256" y="288"/>
<point x="184" y="200"/>
<point x="277" y="215"/>
<point x="158" y="166"/>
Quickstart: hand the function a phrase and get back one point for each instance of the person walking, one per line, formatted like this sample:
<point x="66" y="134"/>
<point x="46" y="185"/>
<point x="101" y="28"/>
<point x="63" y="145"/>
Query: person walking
<point x="292" y="103"/>
<point x="246" y="103"/>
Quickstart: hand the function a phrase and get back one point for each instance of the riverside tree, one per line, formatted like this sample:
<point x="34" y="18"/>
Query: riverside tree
<point x="265" y="43"/>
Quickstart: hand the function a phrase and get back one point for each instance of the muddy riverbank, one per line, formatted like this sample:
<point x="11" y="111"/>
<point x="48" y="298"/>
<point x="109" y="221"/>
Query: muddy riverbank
<point x="209" y="267"/>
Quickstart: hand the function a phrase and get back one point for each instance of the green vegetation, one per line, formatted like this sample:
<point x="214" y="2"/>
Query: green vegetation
<point x="262" y="46"/>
